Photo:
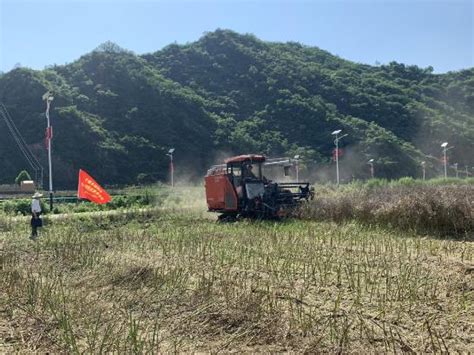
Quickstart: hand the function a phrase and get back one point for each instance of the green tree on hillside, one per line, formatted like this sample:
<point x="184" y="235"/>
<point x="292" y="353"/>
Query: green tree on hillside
<point x="117" y="113"/>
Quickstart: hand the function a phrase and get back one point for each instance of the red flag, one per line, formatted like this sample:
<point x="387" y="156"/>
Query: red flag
<point x="49" y="132"/>
<point x="337" y="153"/>
<point x="90" y="190"/>
<point x="48" y="135"/>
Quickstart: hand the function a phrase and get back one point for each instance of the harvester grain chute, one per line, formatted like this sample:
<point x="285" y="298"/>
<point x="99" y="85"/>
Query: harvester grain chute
<point x="238" y="188"/>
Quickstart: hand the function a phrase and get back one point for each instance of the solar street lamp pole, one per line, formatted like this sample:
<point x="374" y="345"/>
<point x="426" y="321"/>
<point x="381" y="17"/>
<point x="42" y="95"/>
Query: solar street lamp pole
<point x="49" y="132"/>
<point x="445" y="149"/>
<point x="336" y="143"/>
<point x="297" y="158"/>
<point x="371" y="163"/>
<point x="170" y="154"/>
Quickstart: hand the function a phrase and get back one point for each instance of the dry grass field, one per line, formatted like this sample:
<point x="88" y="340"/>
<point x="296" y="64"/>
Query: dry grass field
<point x="168" y="279"/>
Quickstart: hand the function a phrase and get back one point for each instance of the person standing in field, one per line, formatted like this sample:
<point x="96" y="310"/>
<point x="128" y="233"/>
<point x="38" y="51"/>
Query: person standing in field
<point x="35" y="215"/>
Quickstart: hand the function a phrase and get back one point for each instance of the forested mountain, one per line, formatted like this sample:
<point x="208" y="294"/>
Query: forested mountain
<point x="116" y="113"/>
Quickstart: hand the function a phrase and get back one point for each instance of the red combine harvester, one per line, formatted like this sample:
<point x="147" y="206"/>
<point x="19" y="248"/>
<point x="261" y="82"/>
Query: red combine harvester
<point x="238" y="188"/>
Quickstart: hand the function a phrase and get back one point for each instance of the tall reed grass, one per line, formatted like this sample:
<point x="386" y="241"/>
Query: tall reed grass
<point x="432" y="208"/>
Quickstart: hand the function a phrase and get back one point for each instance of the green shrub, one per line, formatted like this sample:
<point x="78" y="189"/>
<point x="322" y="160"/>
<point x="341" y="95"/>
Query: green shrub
<point x="405" y="181"/>
<point x="376" y="183"/>
<point x="20" y="206"/>
<point x="450" y="181"/>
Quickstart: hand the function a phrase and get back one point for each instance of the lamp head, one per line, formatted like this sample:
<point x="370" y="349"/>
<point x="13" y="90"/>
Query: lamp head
<point x="371" y="160"/>
<point x="444" y="145"/>
<point x="336" y="132"/>
<point x="171" y="151"/>
<point x="297" y="156"/>
<point x="48" y="96"/>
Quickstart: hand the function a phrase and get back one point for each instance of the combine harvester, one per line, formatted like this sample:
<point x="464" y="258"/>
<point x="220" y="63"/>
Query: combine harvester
<point x="238" y="188"/>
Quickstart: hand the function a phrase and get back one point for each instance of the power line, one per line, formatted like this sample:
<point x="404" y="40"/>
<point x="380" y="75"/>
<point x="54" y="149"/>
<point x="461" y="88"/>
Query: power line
<point x="25" y="150"/>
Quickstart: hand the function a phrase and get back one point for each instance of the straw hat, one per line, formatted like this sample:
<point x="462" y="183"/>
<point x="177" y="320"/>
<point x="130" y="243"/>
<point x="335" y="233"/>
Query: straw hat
<point x="37" y="195"/>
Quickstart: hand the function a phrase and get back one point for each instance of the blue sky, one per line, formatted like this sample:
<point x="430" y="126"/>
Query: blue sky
<point x="439" y="33"/>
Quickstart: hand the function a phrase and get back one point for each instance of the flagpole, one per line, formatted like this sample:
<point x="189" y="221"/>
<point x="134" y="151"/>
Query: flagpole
<point x="48" y="98"/>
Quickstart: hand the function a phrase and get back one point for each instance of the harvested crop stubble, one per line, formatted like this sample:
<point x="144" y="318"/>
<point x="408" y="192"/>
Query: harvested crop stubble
<point x="179" y="282"/>
<point x="440" y="209"/>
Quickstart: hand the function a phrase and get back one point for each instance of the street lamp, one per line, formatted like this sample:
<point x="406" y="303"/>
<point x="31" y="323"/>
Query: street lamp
<point x="48" y="97"/>
<point x="336" y="143"/>
<point x="445" y="149"/>
<point x="170" y="154"/>
<point x="371" y="163"/>
<point x="297" y="158"/>
<point x="423" y="167"/>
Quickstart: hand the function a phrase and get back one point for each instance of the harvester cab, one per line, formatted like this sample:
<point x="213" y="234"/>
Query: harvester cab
<point x="238" y="188"/>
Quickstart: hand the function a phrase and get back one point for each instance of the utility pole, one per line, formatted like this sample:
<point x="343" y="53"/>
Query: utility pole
<point x="48" y="97"/>
<point x="423" y="167"/>
<point x="170" y="154"/>
<point x="336" y="143"/>
<point x="371" y="163"/>
<point x="456" y="168"/>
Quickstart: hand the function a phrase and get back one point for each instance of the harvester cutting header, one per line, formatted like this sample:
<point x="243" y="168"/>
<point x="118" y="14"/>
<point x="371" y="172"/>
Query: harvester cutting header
<point x="238" y="188"/>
